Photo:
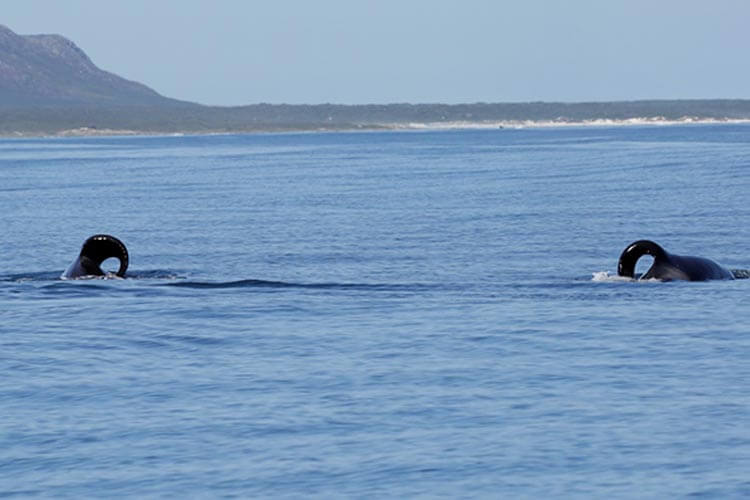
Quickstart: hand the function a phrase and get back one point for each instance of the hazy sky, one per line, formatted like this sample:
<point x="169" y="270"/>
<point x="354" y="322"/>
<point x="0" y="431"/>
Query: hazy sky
<point x="231" y="52"/>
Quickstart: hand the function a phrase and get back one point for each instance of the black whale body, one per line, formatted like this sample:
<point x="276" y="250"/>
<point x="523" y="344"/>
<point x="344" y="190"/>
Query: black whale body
<point x="94" y="251"/>
<point x="667" y="266"/>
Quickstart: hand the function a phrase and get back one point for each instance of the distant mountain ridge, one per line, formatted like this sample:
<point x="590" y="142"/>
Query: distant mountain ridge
<point x="49" y="86"/>
<point x="50" y="70"/>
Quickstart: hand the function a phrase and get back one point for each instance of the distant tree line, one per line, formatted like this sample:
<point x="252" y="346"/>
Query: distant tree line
<point x="194" y="118"/>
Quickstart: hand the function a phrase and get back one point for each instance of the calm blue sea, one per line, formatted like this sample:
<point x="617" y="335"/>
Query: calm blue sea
<point x="375" y="315"/>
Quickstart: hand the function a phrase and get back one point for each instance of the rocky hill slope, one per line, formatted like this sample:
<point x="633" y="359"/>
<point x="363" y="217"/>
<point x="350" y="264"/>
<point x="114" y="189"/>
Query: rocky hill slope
<point x="50" y="70"/>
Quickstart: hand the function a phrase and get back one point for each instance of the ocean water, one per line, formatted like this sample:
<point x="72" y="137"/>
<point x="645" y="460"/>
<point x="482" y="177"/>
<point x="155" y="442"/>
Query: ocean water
<point x="377" y="314"/>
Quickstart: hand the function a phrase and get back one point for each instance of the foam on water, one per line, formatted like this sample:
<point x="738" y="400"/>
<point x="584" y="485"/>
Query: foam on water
<point x="605" y="277"/>
<point x="105" y="276"/>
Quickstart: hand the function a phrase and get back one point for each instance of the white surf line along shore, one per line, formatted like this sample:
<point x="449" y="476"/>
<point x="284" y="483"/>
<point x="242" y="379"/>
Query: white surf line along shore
<point x="598" y="122"/>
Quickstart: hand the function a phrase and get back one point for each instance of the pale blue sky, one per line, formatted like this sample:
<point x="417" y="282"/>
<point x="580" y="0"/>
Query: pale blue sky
<point x="232" y="52"/>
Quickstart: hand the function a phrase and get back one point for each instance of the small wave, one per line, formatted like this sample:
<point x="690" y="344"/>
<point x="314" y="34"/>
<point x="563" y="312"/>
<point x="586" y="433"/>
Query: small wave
<point x="156" y="274"/>
<point x="23" y="278"/>
<point x="79" y="288"/>
<point x="228" y="284"/>
<point x="254" y="283"/>
<point x="174" y="279"/>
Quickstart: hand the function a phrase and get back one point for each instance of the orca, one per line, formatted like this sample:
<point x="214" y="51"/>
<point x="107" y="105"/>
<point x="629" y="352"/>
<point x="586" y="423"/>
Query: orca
<point x="667" y="266"/>
<point x="94" y="251"/>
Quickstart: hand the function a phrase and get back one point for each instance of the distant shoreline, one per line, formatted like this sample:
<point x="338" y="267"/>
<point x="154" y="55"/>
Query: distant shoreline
<point x="51" y="88"/>
<point x="412" y="126"/>
<point x="187" y="118"/>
